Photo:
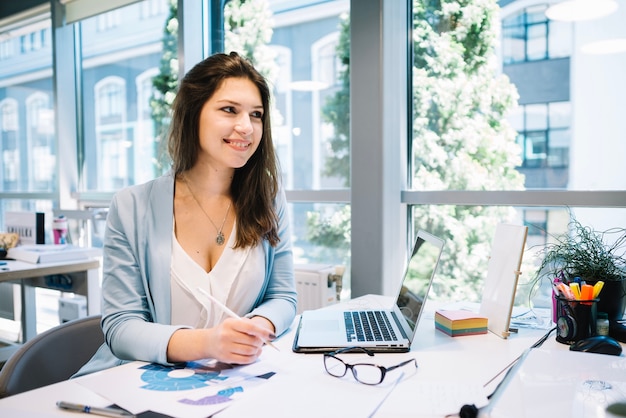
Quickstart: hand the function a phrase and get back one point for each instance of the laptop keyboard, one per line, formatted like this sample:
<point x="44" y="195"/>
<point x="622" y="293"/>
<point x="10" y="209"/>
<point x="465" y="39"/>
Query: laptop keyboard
<point x="368" y="326"/>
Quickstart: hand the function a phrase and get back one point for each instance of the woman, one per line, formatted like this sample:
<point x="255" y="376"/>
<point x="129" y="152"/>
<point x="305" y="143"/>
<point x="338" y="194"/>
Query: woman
<point x="216" y="222"/>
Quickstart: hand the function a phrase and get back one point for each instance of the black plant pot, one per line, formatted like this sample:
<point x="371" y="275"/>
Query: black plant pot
<point x="612" y="298"/>
<point x="3" y="253"/>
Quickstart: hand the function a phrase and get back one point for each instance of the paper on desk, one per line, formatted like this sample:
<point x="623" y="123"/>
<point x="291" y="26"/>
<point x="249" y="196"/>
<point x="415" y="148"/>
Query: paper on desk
<point x="198" y="390"/>
<point x="428" y="398"/>
<point x="558" y="382"/>
<point x="305" y="390"/>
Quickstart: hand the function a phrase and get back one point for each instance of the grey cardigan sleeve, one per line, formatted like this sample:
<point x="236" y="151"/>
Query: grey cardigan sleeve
<point x="278" y="298"/>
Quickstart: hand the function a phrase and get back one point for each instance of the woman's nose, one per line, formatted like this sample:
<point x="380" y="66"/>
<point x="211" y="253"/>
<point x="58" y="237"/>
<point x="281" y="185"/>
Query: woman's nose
<point x="244" y="125"/>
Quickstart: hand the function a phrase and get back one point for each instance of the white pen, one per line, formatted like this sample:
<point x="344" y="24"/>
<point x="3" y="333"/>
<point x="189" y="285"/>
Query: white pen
<point x="228" y="311"/>
<point x="106" y="412"/>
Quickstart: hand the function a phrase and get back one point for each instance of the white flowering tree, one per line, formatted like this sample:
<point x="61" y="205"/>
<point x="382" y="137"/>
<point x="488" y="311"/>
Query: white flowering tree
<point x="460" y="138"/>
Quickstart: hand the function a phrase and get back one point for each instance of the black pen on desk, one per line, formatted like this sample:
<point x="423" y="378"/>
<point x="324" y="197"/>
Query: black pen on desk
<point x="106" y="412"/>
<point x="228" y="311"/>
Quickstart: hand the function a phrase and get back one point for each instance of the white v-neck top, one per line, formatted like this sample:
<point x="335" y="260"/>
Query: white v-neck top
<point x="236" y="280"/>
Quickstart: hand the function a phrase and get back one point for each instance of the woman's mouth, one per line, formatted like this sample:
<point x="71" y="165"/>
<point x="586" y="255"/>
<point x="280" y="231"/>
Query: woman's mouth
<point x="242" y="145"/>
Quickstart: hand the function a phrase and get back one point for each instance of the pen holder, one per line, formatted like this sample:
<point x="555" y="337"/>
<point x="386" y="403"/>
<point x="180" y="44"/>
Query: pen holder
<point x="576" y="319"/>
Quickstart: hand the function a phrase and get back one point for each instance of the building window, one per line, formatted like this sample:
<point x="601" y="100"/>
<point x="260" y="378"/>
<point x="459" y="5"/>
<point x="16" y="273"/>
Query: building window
<point x="151" y="8"/>
<point x="530" y="36"/>
<point x="40" y="139"/>
<point x="110" y="94"/>
<point x="543" y="132"/>
<point x="109" y="20"/>
<point x="9" y="118"/>
<point x="326" y="72"/>
<point x="144" y="143"/>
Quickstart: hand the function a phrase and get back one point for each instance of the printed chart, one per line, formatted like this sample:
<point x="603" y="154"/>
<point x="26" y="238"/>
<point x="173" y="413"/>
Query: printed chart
<point x="196" y="389"/>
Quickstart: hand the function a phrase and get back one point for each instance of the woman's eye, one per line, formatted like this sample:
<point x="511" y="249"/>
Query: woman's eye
<point x="229" y="109"/>
<point x="258" y="115"/>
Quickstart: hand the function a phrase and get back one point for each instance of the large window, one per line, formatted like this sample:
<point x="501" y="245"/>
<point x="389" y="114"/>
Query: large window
<point x="475" y="131"/>
<point x="119" y="49"/>
<point x="28" y="152"/>
<point x="27" y="134"/>
<point x="378" y="133"/>
<point x="311" y="94"/>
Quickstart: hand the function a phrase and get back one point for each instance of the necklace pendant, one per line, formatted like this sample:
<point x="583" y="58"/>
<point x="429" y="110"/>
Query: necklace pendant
<point x="219" y="239"/>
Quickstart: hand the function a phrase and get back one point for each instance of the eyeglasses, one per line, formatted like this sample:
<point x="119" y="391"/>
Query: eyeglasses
<point x="366" y="373"/>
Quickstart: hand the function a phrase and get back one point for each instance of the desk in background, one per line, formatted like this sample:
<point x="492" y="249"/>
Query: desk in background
<point x="81" y="277"/>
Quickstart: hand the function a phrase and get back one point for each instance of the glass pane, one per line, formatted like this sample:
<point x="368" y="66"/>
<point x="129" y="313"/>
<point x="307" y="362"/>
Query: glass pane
<point x="301" y="48"/>
<point x="121" y="55"/>
<point x="560" y="114"/>
<point x="456" y="148"/>
<point x="536" y="14"/>
<point x="311" y="45"/>
<point x="536" y="117"/>
<point x="537" y="44"/>
<point x="535" y="148"/>
<point x="558" y="147"/>
<point x="460" y="137"/>
<point x="514" y="44"/>
<point x="514" y="38"/>
<point x="583" y="132"/>
<point x="28" y="151"/>
<point x="516" y="118"/>
<point x="560" y="39"/>
<point x="469" y="231"/>
<point x="321" y="235"/>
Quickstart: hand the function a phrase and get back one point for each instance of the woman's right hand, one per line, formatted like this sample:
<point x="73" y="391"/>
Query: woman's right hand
<point x="236" y="340"/>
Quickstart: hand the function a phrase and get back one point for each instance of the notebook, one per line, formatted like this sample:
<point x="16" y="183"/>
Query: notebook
<point x="384" y="330"/>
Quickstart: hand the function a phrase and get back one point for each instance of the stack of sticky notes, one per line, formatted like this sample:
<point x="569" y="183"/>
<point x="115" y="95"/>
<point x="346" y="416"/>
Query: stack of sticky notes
<point x="460" y="322"/>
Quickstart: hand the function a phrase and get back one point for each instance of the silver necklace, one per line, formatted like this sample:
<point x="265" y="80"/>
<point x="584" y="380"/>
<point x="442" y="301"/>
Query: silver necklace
<point x="219" y="238"/>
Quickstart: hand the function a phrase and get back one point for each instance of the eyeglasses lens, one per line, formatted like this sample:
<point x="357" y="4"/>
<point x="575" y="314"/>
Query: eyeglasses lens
<point x="334" y="366"/>
<point x="367" y="373"/>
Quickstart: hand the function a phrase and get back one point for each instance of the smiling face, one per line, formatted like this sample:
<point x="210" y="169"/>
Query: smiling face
<point x="231" y="125"/>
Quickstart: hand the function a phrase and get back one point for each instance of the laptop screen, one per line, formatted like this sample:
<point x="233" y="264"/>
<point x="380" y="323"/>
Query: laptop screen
<point x="418" y="276"/>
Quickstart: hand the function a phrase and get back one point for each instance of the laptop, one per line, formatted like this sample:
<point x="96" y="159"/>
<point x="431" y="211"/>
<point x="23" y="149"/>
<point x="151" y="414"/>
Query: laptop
<point x="379" y="330"/>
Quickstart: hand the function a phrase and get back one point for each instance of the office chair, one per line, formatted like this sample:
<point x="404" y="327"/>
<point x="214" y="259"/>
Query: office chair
<point x="52" y="356"/>
<point x="84" y="225"/>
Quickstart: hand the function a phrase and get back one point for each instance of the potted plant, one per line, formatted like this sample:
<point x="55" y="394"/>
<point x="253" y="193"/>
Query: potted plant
<point x="8" y="240"/>
<point x="592" y="256"/>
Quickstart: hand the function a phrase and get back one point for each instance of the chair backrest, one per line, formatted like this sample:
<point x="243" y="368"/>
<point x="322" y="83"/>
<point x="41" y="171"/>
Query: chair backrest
<point x="52" y="356"/>
<point x="85" y="226"/>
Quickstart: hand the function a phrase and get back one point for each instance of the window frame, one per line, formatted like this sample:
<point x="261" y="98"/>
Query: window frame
<point x="379" y="171"/>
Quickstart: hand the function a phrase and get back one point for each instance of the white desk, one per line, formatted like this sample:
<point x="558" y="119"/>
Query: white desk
<point x="81" y="277"/>
<point x="440" y="358"/>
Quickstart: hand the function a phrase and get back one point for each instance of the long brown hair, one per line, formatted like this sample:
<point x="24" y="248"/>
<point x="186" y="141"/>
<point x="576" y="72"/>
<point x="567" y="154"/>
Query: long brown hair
<point x="254" y="185"/>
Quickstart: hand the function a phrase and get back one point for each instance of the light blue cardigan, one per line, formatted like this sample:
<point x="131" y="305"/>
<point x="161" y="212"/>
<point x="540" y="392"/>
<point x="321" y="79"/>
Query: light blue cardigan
<point x="136" y="298"/>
